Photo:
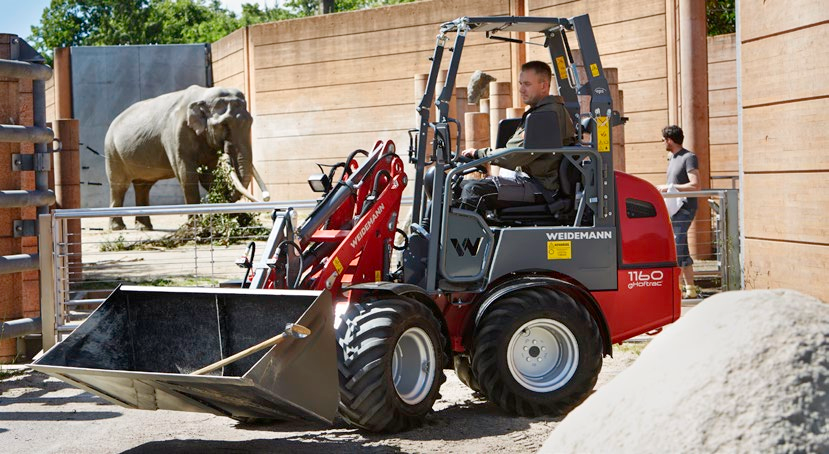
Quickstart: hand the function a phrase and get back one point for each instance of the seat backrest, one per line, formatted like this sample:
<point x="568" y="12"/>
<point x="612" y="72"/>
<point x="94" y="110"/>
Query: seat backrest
<point x="568" y="176"/>
<point x="541" y="130"/>
<point x="506" y="128"/>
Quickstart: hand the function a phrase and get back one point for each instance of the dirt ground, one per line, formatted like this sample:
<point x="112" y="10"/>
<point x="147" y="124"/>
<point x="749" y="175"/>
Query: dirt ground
<point x="43" y="415"/>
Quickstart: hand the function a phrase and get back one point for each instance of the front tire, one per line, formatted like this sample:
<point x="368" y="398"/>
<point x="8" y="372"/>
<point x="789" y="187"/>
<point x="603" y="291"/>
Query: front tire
<point x="390" y="356"/>
<point x="537" y="352"/>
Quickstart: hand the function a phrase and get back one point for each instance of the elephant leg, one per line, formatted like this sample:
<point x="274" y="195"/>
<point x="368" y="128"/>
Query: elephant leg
<point x="117" y="191"/>
<point x="142" y="198"/>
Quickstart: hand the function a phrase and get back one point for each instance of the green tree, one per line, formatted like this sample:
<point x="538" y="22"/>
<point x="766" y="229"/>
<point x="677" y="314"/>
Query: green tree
<point x="115" y="22"/>
<point x="721" y="17"/>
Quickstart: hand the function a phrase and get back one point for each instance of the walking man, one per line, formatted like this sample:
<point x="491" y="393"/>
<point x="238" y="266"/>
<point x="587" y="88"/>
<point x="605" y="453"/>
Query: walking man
<point x="682" y="176"/>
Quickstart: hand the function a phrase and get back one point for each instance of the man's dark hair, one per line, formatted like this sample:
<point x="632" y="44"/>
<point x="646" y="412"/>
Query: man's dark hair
<point x="674" y="133"/>
<point x="540" y="68"/>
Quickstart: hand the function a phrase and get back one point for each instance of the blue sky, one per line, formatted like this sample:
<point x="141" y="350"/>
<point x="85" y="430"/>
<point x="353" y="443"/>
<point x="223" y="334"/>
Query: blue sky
<point x="19" y="18"/>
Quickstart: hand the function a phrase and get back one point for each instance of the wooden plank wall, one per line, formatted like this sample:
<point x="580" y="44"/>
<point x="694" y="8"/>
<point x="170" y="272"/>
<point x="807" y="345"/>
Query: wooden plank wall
<point x="785" y="180"/>
<point x="327" y="85"/>
<point x="228" y="56"/>
<point x="722" y="109"/>
<point x="323" y="86"/>
<point x="631" y="37"/>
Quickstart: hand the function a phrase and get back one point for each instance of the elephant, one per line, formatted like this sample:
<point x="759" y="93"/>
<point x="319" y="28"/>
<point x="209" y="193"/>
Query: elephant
<point x="173" y="135"/>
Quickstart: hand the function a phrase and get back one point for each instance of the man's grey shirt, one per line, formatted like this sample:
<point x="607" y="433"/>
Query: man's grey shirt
<point x="679" y="165"/>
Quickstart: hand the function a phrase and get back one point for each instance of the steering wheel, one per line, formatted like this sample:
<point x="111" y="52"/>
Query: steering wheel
<point x="461" y="159"/>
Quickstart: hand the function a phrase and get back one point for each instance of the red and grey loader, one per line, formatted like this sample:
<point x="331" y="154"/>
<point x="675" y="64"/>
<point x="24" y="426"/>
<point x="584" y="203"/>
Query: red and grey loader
<point x="523" y="302"/>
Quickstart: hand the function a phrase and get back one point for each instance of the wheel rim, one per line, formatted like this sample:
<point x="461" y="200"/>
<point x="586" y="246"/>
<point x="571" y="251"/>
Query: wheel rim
<point x="413" y="366"/>
<point x="543" y="355"/>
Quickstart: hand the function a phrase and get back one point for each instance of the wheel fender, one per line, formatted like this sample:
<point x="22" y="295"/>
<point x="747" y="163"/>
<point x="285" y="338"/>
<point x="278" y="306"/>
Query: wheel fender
<point x="411" y="291"/>
<point x="577" y="293"/>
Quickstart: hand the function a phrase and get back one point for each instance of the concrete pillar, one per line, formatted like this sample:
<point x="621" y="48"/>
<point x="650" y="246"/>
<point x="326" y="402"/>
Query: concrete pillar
<point x="477" y="130"/>
<point x="420" y="81"/>
<point x="672" y="60"/>
<point x="518" y="52"/>
<point x="515" y="112"/>
<point x="63" y="83"/>
<point x="477" y="133"/>
<point x="483" y="105"/>
<point x="500" y="99"/>
<point x="694" y="108"/>
<point x="68" y="187"/>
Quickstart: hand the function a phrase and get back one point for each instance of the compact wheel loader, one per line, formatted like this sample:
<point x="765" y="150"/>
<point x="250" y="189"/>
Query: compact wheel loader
<point x="523" y="302"/>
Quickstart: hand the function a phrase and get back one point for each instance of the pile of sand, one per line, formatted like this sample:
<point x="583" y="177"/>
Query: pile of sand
<point x="742" y="372"/>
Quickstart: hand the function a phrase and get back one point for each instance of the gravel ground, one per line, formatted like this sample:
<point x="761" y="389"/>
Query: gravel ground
<point x="44" y="415"/>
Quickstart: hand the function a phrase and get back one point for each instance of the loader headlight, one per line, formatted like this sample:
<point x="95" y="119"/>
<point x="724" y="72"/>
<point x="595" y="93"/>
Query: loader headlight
<point x="319" y="182"/>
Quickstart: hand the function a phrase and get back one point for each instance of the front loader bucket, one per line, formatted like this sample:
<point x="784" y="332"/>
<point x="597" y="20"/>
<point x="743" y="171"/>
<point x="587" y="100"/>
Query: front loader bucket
<point x="138" y="348"/>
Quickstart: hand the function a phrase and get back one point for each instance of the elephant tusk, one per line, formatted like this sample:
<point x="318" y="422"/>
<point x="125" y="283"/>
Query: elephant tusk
<point x="266" y="196"/>
<point x="237" y="185"/>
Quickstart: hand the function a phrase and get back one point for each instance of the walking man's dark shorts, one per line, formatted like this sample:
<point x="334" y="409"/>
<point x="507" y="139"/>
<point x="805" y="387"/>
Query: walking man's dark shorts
<point x="681" y="221"/>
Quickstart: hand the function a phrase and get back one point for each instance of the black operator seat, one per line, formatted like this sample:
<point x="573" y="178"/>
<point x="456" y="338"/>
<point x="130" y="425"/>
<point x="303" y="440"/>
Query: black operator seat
<point x="542" y="131"/>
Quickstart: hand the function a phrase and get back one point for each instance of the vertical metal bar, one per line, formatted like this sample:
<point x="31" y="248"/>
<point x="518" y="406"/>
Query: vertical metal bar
<point x="451" y="74"/>
<point x="39" y="114"/>
<point x="435" y="224"/>
<point x="601" y="108"/>
<point x="47" y="281"/>
<point x="562" y="60"/>
<point x="63" y="271"/>
<point x="423" y="129"/>
<point x="732" y="243"/>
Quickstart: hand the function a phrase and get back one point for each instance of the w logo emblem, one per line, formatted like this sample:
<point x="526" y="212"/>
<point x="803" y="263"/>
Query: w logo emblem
<point x="467" y="245"/>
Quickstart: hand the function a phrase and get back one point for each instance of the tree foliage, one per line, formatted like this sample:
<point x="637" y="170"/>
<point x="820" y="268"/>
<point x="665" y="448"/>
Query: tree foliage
<point x="721" y="17"/>
<point x="113" y="22"/>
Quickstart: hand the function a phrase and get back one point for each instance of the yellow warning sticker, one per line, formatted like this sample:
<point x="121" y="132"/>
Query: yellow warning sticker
<point x="602" y="134"/>
<point x="559" y="250"/>
<point x="377" y="276"/>
<point x="594" y="69"/>
<point x="338" y="265"/>
<point x="562" y="67"/>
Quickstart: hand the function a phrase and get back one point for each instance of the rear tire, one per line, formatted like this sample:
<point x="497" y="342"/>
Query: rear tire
<point x="390" y="357"/>
<point x="537" y="352"/>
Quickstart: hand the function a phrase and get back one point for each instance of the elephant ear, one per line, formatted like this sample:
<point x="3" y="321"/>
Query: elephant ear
<point x="197" y="116"/>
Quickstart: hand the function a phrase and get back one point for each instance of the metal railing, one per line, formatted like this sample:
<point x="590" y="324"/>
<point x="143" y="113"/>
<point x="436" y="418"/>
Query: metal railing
<point x="190" y="246"/>
<point x="144" y="258"/>
<point x="25" y="63"/>
<point x="717" y="258"/>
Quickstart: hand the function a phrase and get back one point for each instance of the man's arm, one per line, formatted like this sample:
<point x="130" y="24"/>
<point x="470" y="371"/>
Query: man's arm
<point x="691" y="185"/>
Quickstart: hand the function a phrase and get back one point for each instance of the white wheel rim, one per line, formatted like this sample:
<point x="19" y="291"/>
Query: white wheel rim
<point x="543" y="355"/>
<point x="413" y="366"/>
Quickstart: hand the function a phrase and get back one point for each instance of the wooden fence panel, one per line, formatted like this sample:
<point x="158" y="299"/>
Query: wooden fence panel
<point x="786" y="137"/>
<point x="785" y="94"/>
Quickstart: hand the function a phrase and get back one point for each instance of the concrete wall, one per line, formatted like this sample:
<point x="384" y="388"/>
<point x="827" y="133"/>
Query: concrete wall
<point x="784" y="138"/>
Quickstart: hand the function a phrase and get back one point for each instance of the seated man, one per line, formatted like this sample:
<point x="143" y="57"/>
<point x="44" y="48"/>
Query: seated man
<point x="531" y="169"/>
